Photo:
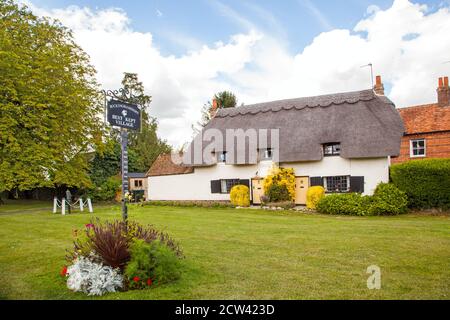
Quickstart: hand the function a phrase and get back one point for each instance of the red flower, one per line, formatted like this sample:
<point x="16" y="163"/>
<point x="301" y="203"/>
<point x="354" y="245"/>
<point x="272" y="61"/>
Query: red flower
<point x="149" y="282"/>
<point x="136" y="279"/>
<point x="63" y="271"/>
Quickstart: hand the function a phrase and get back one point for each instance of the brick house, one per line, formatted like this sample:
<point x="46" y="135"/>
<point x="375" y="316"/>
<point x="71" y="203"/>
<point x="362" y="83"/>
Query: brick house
<point x="427" y="128"/>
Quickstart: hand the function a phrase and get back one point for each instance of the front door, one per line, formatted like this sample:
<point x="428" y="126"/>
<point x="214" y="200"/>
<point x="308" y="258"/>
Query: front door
<point x="257" y="190"/>
<point x="301" y="187"/>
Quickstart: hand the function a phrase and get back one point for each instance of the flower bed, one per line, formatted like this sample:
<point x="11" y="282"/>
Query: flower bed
<point x="118" y="256"/>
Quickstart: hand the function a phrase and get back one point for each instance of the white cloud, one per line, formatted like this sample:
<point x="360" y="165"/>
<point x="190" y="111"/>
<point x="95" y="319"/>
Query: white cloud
<point x="406" y="44"/>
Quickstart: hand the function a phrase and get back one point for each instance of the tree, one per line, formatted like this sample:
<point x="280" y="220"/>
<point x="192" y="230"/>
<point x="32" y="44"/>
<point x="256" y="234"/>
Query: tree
<point x="144" y="146"/>
<point x="224" y="99"/>
<point x="49" y="103"/>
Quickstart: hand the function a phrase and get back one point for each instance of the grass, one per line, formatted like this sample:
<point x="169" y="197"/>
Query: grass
<point x="243" y="254"/>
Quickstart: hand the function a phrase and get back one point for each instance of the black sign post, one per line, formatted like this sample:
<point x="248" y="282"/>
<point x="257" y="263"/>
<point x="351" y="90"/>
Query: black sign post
<point x="126" y="116"/>
<point x="124" y="163"/>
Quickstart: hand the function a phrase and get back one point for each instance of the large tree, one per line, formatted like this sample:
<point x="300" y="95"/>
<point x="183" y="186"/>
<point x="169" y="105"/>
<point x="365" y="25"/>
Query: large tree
<point x="49" y="103"/>
<point x="224" y="99"/>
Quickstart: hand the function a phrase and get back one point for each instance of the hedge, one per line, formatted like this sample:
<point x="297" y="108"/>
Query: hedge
<point x="189" y="203"/>
<point x="425" y="182"/>
<point x="387" y="200"/>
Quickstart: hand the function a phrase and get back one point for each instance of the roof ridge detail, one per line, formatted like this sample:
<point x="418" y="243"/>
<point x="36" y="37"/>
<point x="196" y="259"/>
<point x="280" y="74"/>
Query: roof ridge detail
<point x="299" y="103"/>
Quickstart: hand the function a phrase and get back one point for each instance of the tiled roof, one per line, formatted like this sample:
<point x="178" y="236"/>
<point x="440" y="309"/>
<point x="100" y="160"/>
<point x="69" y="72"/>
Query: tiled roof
<point x="163" y="166"/>
<point x="425" y="118"/>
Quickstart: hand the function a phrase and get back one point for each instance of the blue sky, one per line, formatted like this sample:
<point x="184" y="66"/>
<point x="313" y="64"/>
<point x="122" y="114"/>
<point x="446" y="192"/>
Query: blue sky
<point x="186" y="51"/>
<point x="203" y="22"/>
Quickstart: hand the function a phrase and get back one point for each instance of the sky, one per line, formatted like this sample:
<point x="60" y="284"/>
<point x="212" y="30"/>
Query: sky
<point x="185" y="51"/>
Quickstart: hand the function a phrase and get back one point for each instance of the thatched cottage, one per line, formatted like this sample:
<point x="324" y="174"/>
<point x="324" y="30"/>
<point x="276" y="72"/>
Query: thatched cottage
<point x="342" y="141"/>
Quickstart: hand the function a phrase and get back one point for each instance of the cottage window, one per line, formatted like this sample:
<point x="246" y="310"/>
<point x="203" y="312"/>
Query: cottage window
<point x="337" y="184"/>
<point x="417" y="148"/>
<point x="332" y="149"/>
<point x="268" y="154"/>
<point x="138" y="183"/>
<point x="222" y="157"/>
<point x="227" y="184"/>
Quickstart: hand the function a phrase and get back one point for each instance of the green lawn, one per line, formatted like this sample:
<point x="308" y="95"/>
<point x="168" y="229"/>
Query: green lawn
<point x="243" y="254"/>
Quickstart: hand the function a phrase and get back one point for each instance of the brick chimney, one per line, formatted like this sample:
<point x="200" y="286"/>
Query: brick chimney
<point x="214" y="108"/>
<point x="378" y="87"/>
<point x="443" y="92"/>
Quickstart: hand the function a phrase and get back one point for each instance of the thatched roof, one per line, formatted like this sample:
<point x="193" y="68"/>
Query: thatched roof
<point x="367" y="125"/>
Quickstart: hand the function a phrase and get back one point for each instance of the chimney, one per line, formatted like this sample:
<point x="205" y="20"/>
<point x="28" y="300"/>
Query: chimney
<point x="214" y="108"/>
<point x="379" y="87"/>
<point x="443" y="92"/>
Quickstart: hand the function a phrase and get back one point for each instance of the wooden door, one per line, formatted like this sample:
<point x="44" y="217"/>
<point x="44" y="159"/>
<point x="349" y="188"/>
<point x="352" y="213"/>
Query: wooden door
<point x="301" y="187"/>
<point x="257" y="190"/>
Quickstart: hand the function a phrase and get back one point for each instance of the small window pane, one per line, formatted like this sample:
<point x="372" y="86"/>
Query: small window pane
<point x="337" y="184"/>
<point x="418" y="148"/>
<point x="331" y="149"/>
<point x="268" y="154"/>
<point x="223" y="157"/>
<point x="223" y="186"/>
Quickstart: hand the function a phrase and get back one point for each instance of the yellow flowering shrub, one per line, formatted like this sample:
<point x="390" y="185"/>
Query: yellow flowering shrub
<point x="240" y="196"/>
<point x="281" y="177"/>
<point x="313" y="196"/>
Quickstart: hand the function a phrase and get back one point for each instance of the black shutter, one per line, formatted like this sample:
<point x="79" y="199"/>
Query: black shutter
<point x="357" y="184"/>
<point x="315" y="181"/>
<point x="215" y="186"/>
<point x="245" y="182"/>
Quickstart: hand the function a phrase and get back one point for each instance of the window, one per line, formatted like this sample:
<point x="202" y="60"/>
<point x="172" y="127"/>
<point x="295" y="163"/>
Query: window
<point x="138" y="183"/>
<point x="331" y="149"/>
<point x="337" y="184"/>
<point x="227" y="184"/>
<point x="267" y="154"/>
<point x="222" y="157"/>
<point x="417" y="148"/>
<point x="223" y="186"/>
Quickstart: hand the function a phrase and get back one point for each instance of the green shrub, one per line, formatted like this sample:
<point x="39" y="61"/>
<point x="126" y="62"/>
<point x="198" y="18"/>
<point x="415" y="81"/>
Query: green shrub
<point x="151" y="263"/>
<point x="425" y="182"/>
<point x="110" y="241"/>
<point x="188" y="203"/>
<point x="313" y="196"/>
<point x="346" y="204"/>
<point x="107" y="190"/>
<point x="278" y="193"/>
<point x="240" y="196"/>
<point x="388" y="200"/>
<point x="168" y="265"/>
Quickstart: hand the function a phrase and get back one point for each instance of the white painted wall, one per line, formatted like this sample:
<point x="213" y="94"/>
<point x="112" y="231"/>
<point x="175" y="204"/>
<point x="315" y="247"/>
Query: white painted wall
<point x="197" y="185"/>
<point x="374" y="170"/>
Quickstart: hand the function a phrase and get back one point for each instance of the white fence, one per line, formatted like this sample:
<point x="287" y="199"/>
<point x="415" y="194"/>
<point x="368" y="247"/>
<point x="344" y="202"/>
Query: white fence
<point x="79" y="203"/>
